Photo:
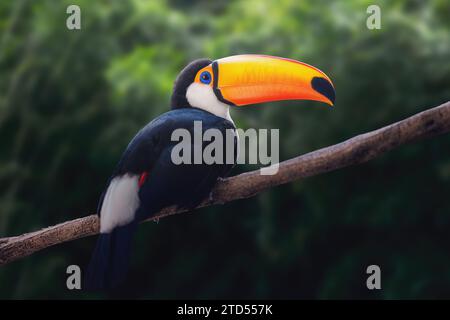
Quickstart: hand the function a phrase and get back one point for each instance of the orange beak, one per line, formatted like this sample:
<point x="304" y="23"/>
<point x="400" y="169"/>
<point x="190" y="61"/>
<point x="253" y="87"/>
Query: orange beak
<point x="250" y="79"/>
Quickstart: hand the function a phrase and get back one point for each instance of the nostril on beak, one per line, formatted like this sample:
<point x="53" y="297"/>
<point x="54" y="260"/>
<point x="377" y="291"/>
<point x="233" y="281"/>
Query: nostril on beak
<point x="324" y="87"/>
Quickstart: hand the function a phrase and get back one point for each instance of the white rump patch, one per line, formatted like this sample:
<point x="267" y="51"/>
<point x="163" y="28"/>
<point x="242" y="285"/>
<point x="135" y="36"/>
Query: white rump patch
<point x="120" y="202"/>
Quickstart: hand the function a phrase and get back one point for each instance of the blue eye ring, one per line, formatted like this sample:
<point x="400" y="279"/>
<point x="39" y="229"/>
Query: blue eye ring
<point x="205" y="77"/>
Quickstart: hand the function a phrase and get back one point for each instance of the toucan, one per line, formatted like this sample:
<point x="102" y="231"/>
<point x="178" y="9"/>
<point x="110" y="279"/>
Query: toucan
<point x="146" y="179"/>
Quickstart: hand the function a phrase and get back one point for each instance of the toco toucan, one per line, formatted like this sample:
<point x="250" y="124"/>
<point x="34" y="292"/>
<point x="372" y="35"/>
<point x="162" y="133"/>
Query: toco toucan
<point x="147" y="180"/>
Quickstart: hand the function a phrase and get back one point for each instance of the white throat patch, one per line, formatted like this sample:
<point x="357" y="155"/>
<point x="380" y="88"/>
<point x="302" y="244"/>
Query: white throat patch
<point x="202" y="96"/>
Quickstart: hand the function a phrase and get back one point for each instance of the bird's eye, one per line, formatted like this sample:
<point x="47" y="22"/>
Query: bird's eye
<point x="205" y="77"/>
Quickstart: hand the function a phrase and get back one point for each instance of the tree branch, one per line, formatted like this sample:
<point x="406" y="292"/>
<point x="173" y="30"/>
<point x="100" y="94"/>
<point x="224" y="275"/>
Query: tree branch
<point x="354" y="151"/>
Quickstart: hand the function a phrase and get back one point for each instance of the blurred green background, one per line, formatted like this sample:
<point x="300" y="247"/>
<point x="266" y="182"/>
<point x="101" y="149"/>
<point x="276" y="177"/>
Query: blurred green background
<point x="70" y="101"/>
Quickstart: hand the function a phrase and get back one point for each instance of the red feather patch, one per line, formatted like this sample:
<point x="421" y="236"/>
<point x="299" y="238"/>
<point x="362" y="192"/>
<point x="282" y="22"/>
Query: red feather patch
<point x="142" y="178"/>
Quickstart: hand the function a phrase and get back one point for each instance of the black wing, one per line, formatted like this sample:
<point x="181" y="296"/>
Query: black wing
<point x="184" y="185"/>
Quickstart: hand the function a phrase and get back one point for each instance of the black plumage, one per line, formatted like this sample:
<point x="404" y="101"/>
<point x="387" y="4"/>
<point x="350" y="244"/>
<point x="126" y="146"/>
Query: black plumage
<point x="184" y="185"/>
<point x="165" y="184"/>
<point x="161" y="183"/>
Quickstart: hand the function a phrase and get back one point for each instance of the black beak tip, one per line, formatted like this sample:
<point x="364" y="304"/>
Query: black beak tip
<point x="324" y="87"/>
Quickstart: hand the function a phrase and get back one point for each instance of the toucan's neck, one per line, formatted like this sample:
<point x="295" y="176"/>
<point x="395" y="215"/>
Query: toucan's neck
<point x="203" y="97"/>
<point x="221" y="110"/>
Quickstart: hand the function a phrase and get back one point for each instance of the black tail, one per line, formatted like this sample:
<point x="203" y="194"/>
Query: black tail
<point x="109" y="263"/>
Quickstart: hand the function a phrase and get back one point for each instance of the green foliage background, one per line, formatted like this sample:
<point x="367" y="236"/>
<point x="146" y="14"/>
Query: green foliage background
<point x="71" y="100"/>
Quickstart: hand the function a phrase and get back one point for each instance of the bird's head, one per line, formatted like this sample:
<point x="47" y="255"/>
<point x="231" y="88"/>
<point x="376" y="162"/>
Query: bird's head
<point x="248" y="79"/>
